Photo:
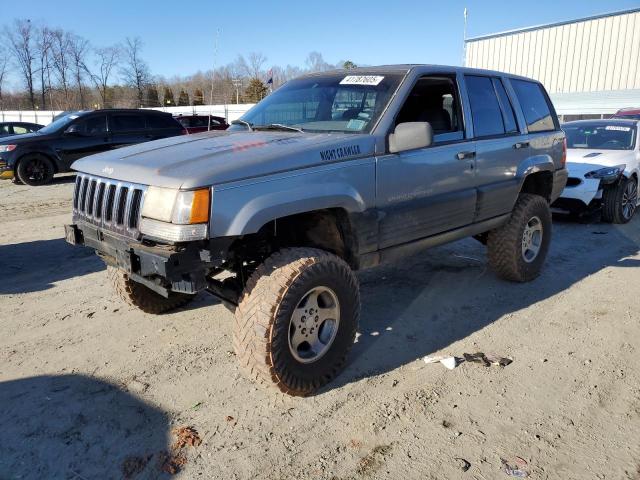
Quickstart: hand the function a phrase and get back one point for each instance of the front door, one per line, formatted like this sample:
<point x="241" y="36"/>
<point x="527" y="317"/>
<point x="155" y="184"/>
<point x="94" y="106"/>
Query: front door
<point x="85" y="136"/>
<point x="430" y="190"/>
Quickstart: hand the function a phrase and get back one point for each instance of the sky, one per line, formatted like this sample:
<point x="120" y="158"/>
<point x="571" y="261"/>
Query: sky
<point x="179" y="37"/>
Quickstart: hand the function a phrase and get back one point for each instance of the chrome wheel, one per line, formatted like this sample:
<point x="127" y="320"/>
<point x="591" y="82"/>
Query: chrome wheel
<point x="629" y="199"/>
<point x="531" y="239"/>
<point x="314" y="324"/>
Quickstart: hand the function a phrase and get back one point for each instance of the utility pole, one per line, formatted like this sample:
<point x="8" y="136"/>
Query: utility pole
<point x="213" y="72"/>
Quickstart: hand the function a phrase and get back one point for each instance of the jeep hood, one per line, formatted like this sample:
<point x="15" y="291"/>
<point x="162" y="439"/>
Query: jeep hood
<point x="211" y="158"/>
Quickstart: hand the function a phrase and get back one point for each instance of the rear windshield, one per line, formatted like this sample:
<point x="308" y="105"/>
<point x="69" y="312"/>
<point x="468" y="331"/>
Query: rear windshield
<point x="601" y="136"/>
<point x="345" y="103"/>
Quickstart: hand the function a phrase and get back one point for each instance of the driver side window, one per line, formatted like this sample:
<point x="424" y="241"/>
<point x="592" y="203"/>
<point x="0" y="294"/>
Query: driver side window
<point x="435" y="99"/>
<point x="92" y="126"/>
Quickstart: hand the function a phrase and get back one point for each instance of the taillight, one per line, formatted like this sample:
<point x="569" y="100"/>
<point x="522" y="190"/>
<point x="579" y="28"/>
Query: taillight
<point x="563" y="162"/>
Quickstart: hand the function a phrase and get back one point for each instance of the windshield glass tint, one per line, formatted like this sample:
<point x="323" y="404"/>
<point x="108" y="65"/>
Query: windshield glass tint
<point x="58" y="124"/>
<point x="600" y="136"/>
<point x="345" y="103"/>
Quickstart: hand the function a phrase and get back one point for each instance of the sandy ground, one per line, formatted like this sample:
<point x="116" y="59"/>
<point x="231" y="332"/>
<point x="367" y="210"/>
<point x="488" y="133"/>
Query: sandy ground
<point x="92" y="389"/>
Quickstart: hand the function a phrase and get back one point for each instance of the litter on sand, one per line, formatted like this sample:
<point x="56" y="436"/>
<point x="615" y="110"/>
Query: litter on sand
<point x="515" y="471"/>
<point x="487" y="360"/>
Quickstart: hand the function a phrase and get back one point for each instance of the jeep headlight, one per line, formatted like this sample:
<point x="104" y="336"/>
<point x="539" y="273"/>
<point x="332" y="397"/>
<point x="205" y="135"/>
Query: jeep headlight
<point x="175" y="215"/>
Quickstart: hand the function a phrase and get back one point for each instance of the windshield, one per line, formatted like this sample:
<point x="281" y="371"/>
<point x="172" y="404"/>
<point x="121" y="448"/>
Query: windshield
<point x="600" y="136"/>
<point x="58" y="124"/>
<point x="344" y="103"/>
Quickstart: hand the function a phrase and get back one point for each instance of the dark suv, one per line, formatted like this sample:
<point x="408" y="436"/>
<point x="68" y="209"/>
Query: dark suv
<point x="34" y="158"/>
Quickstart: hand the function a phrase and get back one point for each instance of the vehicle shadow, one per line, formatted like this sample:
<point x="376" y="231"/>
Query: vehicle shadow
<point x="35" y="266"/>
<point x="78" y="427"/>
<point x="445" y="294"/>
<point x="63" y="179"/>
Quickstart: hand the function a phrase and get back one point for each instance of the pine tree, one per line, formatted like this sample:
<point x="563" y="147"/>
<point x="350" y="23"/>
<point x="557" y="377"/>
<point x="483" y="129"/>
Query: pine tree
<point x="348" y="64"/>
<point x="152" y="98"/>
<point x="198" y="97"/>
<point x="183" y="99"/>
<point x="168" y="98"/>
<point x="256" y="91"/>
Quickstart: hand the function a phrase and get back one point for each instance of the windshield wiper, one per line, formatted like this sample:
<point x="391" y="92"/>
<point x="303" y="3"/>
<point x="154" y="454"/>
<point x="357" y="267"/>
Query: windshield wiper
<point x="280" y="126"/>
<point x="243" y="122"/>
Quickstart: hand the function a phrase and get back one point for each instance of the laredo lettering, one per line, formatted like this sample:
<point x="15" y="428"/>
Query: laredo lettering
<point x="340" y="152"/>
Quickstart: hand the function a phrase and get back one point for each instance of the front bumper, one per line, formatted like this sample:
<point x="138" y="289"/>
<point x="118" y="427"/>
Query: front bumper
<point x="162" y="268"/>
<point x="6" y="172"/>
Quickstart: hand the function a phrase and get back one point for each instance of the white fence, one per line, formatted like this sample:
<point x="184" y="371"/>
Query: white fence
<point x="44" y="117"/>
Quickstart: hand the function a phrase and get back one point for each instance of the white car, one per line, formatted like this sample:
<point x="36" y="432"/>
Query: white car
<point x="603" y="160"/>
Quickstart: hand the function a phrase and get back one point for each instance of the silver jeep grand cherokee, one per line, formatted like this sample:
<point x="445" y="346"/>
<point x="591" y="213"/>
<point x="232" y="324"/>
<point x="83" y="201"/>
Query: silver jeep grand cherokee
<point x="331" y="173"/>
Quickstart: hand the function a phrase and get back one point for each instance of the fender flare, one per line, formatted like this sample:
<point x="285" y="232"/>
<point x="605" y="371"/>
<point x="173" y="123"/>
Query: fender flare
<point x="270" y="206"/>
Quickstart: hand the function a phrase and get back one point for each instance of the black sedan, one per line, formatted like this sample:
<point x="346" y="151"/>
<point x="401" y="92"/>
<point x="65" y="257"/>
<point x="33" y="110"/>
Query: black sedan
<point x="18" y="128"/>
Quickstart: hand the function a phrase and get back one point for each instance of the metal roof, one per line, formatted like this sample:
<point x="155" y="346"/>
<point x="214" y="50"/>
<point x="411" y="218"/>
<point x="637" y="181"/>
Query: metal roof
<point x="549" y="25"/>
<point x="602" y="102"/>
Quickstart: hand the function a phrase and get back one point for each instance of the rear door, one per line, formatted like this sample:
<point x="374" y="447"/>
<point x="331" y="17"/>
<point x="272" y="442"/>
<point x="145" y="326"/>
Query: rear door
<point x="500" y="145"/>
<point x="128" y="129"/>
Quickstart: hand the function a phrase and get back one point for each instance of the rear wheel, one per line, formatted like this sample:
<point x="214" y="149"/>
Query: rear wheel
<point x="296" y="321"/>
<point x="518" y="249"/>
<point x="619" y="201"/>
<point x="142" y="297"/>
<point x="35" y="170"/>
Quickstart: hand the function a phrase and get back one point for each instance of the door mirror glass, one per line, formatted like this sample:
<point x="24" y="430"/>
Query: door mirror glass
<point x="74" y="130"/>
<point x="410" y="136"/>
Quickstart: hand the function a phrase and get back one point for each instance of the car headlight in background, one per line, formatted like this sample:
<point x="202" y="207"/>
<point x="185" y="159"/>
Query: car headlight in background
<point x="607" y="174"/>
<point x="176" y="215"/>
<point x="7" y="148"/>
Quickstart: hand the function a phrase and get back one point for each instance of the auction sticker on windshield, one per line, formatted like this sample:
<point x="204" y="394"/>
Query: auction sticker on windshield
<point x="617" y="128"/>
<point x="361" y="80"/>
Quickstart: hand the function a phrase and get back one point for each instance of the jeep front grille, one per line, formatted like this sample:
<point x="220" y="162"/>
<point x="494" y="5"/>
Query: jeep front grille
<point x="109" y="204"/>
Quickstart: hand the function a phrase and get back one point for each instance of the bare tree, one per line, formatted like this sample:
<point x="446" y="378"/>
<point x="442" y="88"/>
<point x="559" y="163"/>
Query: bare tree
<point x="61" y="57"/>
<point x="316" y="63"/>
<point x="107" y="58"/>
<point x="256" y="62"/>
<point x="135" y="71"/>
<point x="43" y="50"/>
<point x="78" y="49"/>
<point x="21" y="46"/>
<point x="4" y="68"/>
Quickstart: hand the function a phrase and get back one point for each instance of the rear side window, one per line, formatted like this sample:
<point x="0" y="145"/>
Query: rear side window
<point x="485" y="108"/>
<point x="127" y="123"/>
<point x="160" y="121"/>
<point x="534" y="106"/>
<point x="5" y="130"/>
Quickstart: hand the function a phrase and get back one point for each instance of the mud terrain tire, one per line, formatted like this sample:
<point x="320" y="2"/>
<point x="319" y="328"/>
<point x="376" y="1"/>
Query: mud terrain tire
<point x="518" y="249"/>
<point x="269" y="319"/>
<point x="145" y="299"/>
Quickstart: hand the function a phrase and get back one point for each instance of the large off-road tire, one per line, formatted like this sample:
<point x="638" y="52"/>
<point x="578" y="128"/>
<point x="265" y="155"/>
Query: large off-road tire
<point x="142" y="297"/>
<point x="518" y="249"/>
<point x="296" y="321"/>
<point x="35" y="170"/>
<point x="619" y="201"/>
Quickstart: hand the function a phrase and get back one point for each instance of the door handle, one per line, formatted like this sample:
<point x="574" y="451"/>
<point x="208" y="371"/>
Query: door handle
<point x="521" y="145"/>
<point x="463" y="155"/>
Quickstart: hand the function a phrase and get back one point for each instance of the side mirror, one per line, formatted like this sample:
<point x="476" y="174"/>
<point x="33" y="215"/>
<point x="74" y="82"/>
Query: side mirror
<point x="73" y="130"/>
<point x="410" y="135"/>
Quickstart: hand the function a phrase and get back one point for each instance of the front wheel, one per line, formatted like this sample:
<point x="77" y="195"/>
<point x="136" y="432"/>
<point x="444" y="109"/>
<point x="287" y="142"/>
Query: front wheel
<point x="518" y="249"/>
<point x="35" y="170"/>
<point x="142" y="297"/>
<point x="297" y="319"/>
<point x="619" y="201"/>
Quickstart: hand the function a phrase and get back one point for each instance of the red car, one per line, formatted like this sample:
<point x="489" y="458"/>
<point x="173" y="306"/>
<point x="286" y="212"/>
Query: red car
<point x="202" y="123"/>
<point x="629" y="113"/>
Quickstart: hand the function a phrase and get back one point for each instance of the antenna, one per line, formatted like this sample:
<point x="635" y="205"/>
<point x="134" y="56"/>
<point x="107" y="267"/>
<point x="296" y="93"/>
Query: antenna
<point x="213" y="71"/>
<point x="464" y="38"/>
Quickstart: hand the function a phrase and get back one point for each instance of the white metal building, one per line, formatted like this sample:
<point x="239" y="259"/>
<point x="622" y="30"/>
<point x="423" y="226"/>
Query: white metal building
<point x="590" y="66"/>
